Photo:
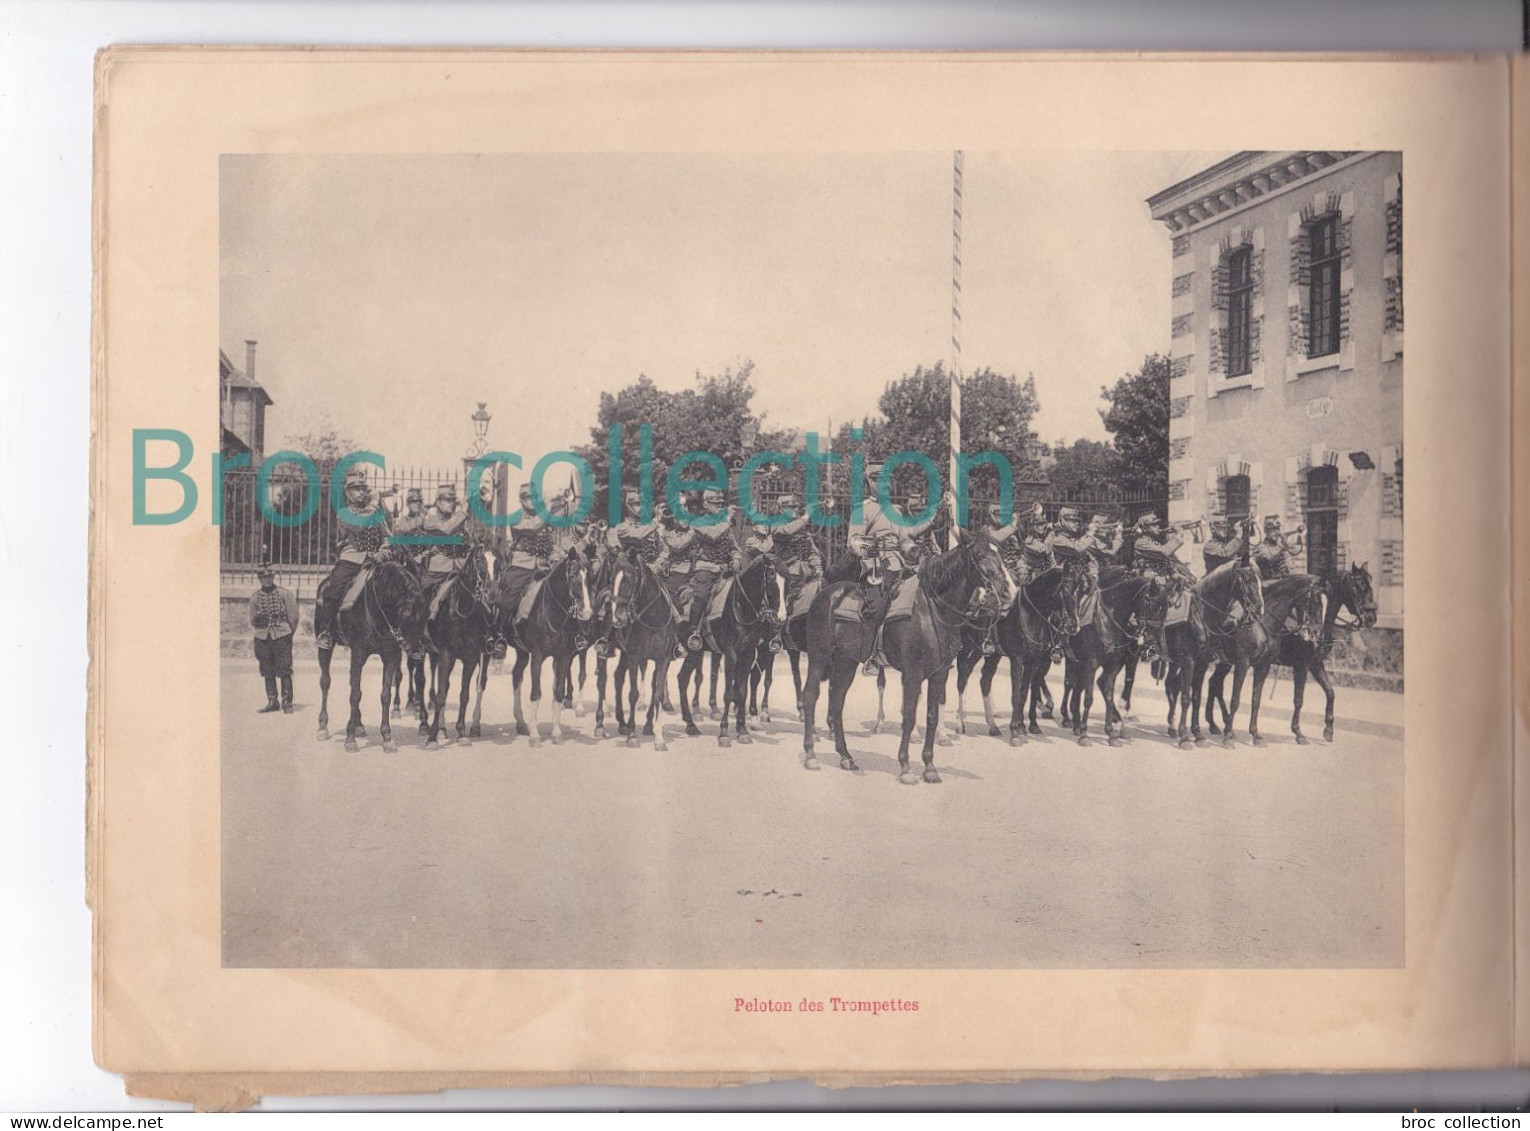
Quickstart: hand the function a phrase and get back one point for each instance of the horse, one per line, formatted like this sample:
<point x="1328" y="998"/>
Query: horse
<point x="747" y="619"/>
<point x="952" y="588"/>
<point x="1045" y="615"/>
<point x="1190" y="645"/>
<point x="1305" y="650"/>
<point x="559" y="611"/>
<point x="387" y="619"/>
<point x="1258" y="645"/>
<point x="1102" y="645"/>
<point x="459" y="629"/>
<point x="644" y="630"/>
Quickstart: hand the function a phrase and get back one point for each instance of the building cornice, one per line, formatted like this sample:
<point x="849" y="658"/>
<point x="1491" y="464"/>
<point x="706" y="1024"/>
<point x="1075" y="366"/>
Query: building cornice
<point x="1235" y="182"/>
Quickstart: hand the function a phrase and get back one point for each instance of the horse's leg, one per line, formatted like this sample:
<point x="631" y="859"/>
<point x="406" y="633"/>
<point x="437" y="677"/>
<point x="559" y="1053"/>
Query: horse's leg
<point x="1298" y="693"/>
<point x="1037" y="673"/>
<point x="769" y="664"/>
<point x="1240" y="671"/>
<point x="1261" y="672"/>
<point x="935" y="697"/>
<point x="735" y="686"/>
<point x="1128" y="679"/>
<point x="469" y="667"/>
<point x="1107" y="685"/>
<point x="1084" y="691"/>
<point x="656" y="711"/>
<point x="808" y="710"/>
<point x="391" y="665"/>
<point x="966" y="660"/>
<point x="912" y="684"/>
<point x="881" y="690"/>
<point x="630" y="727"/>
<point x="1214" y="696"/>
<point x="517" y="675"/>
<point x="325" y="655"/>
<point x="534" y="727"/>
<point x="417" y="686"/>
<point x="729" y="674"/>
<point x="714" y="667"/>
<point x="756" y="673"/>
<point x="1320" y="673"/>
<point x="841" y="676"/>
<point x="985" y="685"/>
<point x="579" y="694"/>
<point x="441" y="684"/>
<point x="602" y="671"/>
<point x="393" y="692"/>
<point x="563" y="682"/>
<point x="358" y="662"/>
<point x="690" y="668"/>
<point x="1019" y="692"/>
<point x="1047" y="706"/>
<point x="476" y="730"/>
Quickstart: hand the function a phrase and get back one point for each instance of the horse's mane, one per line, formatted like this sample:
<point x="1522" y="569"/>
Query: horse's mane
<point x="1219" y="580"/>
<point x="1282" y="593"/>
<point x="941" y="570"/>
<point x="1044" y="584"/>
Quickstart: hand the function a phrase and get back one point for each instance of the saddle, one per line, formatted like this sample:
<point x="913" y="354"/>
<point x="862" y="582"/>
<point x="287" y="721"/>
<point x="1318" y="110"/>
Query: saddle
<point x="528" y="600"/>
<point x="438" y="595"/>
<point x="1178" y="611"/>
<point x="353" y="594"/>
<point x="902" y="606"/>
<point x="804" y="600"/>
<point x="719" y="600"/>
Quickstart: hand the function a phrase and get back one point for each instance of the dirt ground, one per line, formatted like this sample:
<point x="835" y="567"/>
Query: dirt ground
<point x="591" y="855"/>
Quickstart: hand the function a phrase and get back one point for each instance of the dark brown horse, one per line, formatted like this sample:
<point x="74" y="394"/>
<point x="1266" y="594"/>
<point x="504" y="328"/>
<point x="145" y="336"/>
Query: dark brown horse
<point x="1192" y="645"/>
<point x="458" y="630"/>
<point x="387" y="620"/>
<point x="747" y="620"/>
<point x="952" y="589"/>
<point x="1127" y="602"/>
<point x="1292" y="606"/>
<point x="644" y="632"/>
<point x="552" y="629"/>
<point x="1045" y="616"/>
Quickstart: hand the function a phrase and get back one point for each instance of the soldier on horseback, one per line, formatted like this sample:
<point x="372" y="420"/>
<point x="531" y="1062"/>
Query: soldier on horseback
<point x="411" y="523"/>
<point x="1229" y="541"/>
<point x="798" y="561"/>
<point x="1104" y="536"/>
<point x="533" y="553"/>
<point x="884" y="549"/>
<point x="364" y="530"/>
<point x="717" y="552"/>
<point x="1272" y="554"/>
<point x="635" y="538"/>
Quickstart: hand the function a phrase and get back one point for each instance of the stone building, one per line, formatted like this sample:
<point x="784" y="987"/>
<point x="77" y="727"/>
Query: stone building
<point x="1286" y="395"/>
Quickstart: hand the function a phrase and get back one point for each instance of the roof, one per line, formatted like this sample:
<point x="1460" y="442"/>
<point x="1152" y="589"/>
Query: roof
<point x="238" y="379"/>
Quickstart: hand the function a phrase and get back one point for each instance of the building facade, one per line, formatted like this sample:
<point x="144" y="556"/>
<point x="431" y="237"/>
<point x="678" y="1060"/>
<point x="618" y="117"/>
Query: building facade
<point x="242" y="404"/>
<point x="1286" y="394"/>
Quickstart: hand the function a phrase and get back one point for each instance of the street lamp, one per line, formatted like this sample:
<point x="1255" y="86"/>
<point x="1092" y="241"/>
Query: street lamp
<point x="480" y="421"/>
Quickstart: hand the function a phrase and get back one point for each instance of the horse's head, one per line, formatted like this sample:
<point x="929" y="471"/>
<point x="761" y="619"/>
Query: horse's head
<point x="480" y="573"/>
<point x="1308" y="610"/>
<point x="1151" y="606"/>
<point x="574" y="579"/>
<point x="998" y="587"/>
<point x="1354" y="592"/>
<point x="625" y="579"/>
<point x="1249" y="591"/>
<point x="759" y="586"/>
<point x="402" y="601"/>
<point x="1075" y="587"/>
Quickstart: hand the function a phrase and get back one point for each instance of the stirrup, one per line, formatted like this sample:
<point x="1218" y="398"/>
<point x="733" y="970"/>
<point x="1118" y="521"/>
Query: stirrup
<point x="326" y="642"/>
<point x="776" y="646"/>
<point x="580" y="643"/>
<point x="989" y="648"/>
<point x="499" y="649"/>
<point x="694" y="642"/>
<point x="603" y="648"/>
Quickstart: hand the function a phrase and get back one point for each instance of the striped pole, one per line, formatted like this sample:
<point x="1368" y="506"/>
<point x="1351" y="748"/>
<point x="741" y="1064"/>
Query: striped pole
<point x="956" y="330"/>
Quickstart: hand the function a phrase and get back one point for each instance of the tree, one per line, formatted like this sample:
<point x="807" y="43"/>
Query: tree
<point x="1137" y="417"/>
<point x="323" y="443"/>
<point x="1083" y="467"/>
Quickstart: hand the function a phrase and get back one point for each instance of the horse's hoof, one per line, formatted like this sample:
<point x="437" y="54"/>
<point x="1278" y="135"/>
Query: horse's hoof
<point x="1171" y="732"/>
<point x="350" y="746"/>
<point x="1328" y="734"/>
<point x="764" y="716"/>
<point x="1112" y="741"/>
<point x="1017" y="739"/>
<point x="397" y="712"/>
<point x="692" y="729"/>
<point x="579" y="709"/>
<point x="746" y="739"/>
<point x="556" y="740"/>
<point x="931" y="777"/>
<point x="464" y="741"/>
<point x="1213" y="728"/>
<point x="994" y="732"/>
<point x="648" y="731"/>
<point x="536" y="742"/>
<point x="848" y="763"/>
<point x="908" y="778"/>
<point x="1301" y="740"/>
<point x="1201" y="742"/>
<point x="811" y="763"/>
<point x="799" y="714"/>
<point x="600" y="732"/>
<point x="1034" y="729"/>
<point x="390" y="747"/>
<point x="632" y="742"/>
<point x="1185" y="744"/>
<point x="424" y="728"/>
<point x="714" y="713"/>
<point x="1227" y="743"/>
<point x="724" y="740"/>
<point x="522" y="728"/>
<point x="361" y="732"/>
<point x="1258" y="740"/>
<point x="432" y="745"/>
<point x="1047" y="714"/>
<point x="475" y="731"/>
<point x="323" y="735"/>
<point x="660" y="747"/>
<point x="943" y="740"/>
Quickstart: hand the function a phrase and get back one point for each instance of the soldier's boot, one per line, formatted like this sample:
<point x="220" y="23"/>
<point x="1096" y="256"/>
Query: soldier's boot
<point x="271" y="703"/>
<point x="323" y="621"/>
<point x="287" y="694"/>
<point x="499" y="647"/>
<point x="878" y="661"/>
<point x="989" y="646"/>
<point x="698" y="611"/>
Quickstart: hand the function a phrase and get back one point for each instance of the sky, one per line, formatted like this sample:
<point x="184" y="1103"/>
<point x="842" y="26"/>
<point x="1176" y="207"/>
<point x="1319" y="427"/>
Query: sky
<point x="391" y="293"/>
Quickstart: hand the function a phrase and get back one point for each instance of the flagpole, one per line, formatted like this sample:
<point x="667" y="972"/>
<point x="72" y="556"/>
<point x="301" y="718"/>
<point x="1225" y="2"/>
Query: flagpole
<point x="956" y="331"/>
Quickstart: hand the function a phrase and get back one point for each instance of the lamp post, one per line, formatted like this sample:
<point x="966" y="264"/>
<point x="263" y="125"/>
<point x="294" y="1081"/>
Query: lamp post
<point x="492" y="475"/>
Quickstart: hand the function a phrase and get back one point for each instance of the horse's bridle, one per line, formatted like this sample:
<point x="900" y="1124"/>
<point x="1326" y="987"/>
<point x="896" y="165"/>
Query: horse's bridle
<point x="658" y="598"/>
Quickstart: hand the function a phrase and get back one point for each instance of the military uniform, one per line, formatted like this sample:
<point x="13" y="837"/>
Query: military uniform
<point x="1272" y="556"/>
<point x="274" y="619"/>
<point x="533" y="552"/>
<point x="798" y="561"/>
<point x="1226" y="544"/>
<point x="355" y="545"/>
<point x="717" y="551"/>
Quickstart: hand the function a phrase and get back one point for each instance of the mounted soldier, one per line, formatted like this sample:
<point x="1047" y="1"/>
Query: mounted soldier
<point x="717" y="553"/>
<point x="410" y="523"/>
<point x="1272" y="554"/>
<point x="364" y="528"/>
<point x="533" y="553"/>
<point x="1105" y="544"/>
<point x="639" y="540"/>
<point x="883" y="549"/>
<point x="921" y="536"/>
<point x="446" y="525"/>
<point x="798" y="561"/>
<point x="1229" y="542"/>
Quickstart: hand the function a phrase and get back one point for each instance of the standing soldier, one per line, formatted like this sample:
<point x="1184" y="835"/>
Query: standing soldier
<point x="717" y="550"/>
<point x="274" y="617"/>
<point x="364" y="529"/>
<point x="1271" y="555"/>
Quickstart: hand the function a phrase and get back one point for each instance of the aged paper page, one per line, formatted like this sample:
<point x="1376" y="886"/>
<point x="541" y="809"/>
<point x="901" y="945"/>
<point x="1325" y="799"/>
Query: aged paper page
<point x="375" y="242"/>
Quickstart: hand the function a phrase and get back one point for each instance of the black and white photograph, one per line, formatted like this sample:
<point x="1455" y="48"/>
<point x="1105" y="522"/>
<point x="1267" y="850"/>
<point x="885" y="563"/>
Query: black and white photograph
<point x="958" y="559"/>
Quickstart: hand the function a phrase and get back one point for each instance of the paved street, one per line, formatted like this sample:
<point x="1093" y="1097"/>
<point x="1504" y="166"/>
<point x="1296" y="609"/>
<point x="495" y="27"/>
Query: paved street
<point x="590" y="854"/>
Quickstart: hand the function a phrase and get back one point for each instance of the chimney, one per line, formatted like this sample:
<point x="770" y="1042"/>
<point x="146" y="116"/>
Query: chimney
<point x="249" y="358"/>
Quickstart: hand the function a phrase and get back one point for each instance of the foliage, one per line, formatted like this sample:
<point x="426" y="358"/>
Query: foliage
<point x="1083" y="467"/>
<point x="323" y="443"/>
<point x="1137" y="418"/>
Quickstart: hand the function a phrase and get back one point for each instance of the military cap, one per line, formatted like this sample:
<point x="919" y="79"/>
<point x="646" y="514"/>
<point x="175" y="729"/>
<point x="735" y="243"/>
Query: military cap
<point x="414" y="493"/>
<point x="1272" y="522"/>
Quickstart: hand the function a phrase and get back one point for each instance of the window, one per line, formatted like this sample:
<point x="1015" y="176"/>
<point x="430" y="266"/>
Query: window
<point x="1235" y="490"/>
<point x="1323" y="287"/>
<point x="1240" y="296"/>
<point x="1323" y="521"/>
